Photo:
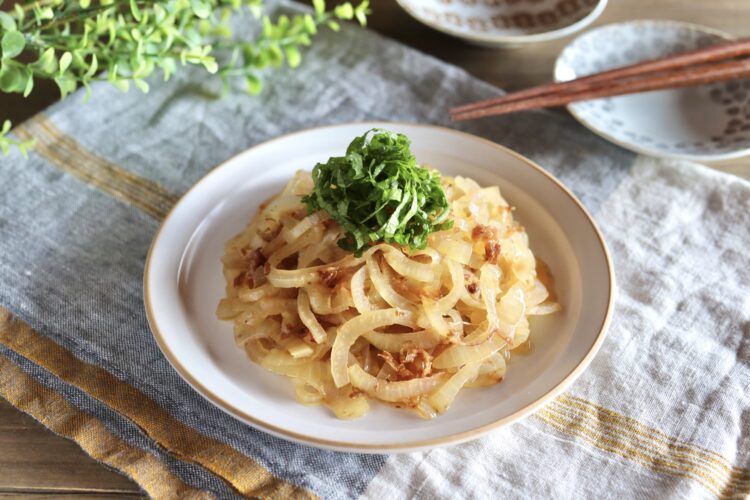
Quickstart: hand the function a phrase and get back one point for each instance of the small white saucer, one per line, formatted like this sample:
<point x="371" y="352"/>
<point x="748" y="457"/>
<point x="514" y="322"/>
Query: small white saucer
<point x="706" y="123"/>
<point x="505" y="23"/>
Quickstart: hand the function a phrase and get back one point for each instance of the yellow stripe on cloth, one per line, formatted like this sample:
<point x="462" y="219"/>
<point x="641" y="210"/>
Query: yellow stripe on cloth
<point x="90" y="434"/>
<point x="646" y="446"/>
<point x="71" y="157"/>
<point x="244" y="474"/>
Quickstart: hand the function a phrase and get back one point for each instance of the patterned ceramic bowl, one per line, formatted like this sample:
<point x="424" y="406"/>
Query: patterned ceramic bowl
<point x="502" y="23"/>
<point x="706" y="123"/>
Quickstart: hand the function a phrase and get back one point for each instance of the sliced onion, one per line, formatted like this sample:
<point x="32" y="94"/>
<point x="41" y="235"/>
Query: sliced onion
<point x="305" y="225"/>
<point x="393" y="342"/>
<point x="448" y="302"/>
<point x="444" y="396"/>
<point x="311" y="236"/>
<point x="255" y="294"/>
<point x="319" y="250"/>
<point x="297" y="278"/>
<point x="348" y="407"/>
<point x="281" y="205"/>
<point x="300" y="184"/>
<point x="456" y="324"/>
<point x="359" y="296"/>
<point x="308" y="318"/>
<point x="229" y="308"/>
<point x="296" y="347"/>
<point x="407" y="267"/>
<point x="424" y="410"/>
<point x="384" y="288"/>
<point x="489" y="286"/>
<point x="350" y="331"/>
<point x="495" y="363"/>
<point x="395" y="392"/>
<point x="437" y="323"/>
<point x="467" y="185"/>
<point x="459" y="354"/>
<point x="314" y="373"/>
<point x="511" y="310"/>
<point x="305" y="393"/>
<point x="258" y="311"/>
<point x="537" y="294"/>
<point x="544" y="308"/>
<point x="266" y="329"/>
<point x="454" y="248"/>
<point x="281" y="358"/>
<point x="521" y="334"/>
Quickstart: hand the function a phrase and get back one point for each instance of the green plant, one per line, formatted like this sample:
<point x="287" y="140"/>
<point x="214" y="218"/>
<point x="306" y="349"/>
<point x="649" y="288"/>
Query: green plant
<point x="124" y="42"/>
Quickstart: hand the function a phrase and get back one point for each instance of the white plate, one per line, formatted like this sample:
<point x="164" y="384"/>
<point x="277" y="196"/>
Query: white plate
<point x="704" y="123"/>
<point x="183" y="283"/>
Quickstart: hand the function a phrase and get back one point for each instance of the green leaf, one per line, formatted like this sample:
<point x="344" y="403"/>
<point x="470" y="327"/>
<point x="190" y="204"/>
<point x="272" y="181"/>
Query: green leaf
<point x="7" y="23"/>
<point x="13" y="78"/>
<point x="66" y="86"/>
<point x="47" y="63"/>
<point x="168" y="67"/>
<point x="201" y="8"/>
<point x="344" y="11"/>
<point x="142" y="85"/>
<point x="275" y="56"/>
<point x="377" y="192"/>
<point x="65" y="61"/>
<point x="121" y="85"/>
<point x="29" y="86"/>
<point x="361" y="12"/>
<point x="20" y="13"/>
<point x="254" y="85"/>
<point x="13" y="44"/>
<point x="85" y="4"/>
<point x="333" y="25"/>
<point x="210" y="64"/>
<point x="93" y="67"/>
<point x="135" y="10"/>
<point x="320" y="7"/>
<point x="6" y="127"/>
<point x="309" y="24"/>
<point x="293" y="57"/>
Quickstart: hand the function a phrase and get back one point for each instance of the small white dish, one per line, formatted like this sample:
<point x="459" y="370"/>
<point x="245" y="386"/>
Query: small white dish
<point x="705" y="123"/>
<point x="505" y="23"/>
<point x="183" y="283"/>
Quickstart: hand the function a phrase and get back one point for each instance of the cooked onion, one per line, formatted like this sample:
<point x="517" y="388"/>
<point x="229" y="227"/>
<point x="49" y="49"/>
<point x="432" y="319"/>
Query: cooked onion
<point x="308" y="318"/>
<point x="383" y="286"/>
<point x="352" y="329"/>
<point x="394" y="342"/>
<point x="407" y="327"/>
<point x="359" y="297"/>
<point x="455" y="248"/>
<point x="401" y="391"/>
<point x="459" y="355"/>
<point x="444" y="396"/>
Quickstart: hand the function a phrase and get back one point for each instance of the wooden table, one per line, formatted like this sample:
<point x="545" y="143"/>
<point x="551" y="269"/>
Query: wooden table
<point x="33" y="461"/>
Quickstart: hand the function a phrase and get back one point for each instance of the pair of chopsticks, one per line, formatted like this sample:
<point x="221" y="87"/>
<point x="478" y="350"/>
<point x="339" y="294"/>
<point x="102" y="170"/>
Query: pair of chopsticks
<point x="717" y="63"/>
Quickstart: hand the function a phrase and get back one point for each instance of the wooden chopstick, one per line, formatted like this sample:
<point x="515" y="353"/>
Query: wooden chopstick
<point x="700" y="75"/>
<point x="592" y="86"/>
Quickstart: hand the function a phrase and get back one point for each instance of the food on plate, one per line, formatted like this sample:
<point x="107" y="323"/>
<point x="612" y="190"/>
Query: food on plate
<point x="376" y="278"/>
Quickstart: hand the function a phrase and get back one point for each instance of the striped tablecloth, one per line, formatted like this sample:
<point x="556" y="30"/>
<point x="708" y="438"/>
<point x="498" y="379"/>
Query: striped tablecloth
<point x="664" y="410"/>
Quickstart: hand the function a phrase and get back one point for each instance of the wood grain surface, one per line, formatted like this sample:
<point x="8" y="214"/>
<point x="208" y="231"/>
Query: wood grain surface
<point x="36" y="463"/>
